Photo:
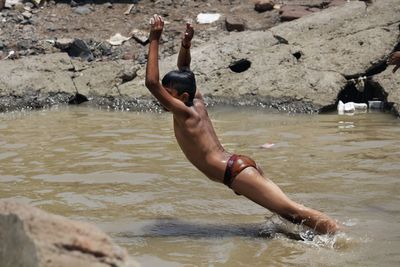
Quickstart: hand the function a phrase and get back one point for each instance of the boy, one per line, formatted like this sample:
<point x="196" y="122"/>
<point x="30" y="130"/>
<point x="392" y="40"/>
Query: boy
<point x="199" y="142"/>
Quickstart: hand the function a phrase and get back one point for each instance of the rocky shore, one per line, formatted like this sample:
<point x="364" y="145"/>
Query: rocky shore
<point x="291" y="56"/>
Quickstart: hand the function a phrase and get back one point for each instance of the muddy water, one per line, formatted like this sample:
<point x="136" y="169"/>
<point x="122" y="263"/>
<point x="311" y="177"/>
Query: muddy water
<point x="124" y="172"/>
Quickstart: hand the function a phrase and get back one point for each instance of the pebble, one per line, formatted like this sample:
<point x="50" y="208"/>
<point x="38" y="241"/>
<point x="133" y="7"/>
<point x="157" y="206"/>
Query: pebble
<point x="108" y="5"/>
<point x="82" y="10"/>
<point x="73" y="3"/>
<point x="27" y="15"/>
<point x="63" y="43"/>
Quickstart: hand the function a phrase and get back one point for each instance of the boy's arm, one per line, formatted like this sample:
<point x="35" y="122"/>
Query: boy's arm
<point x="152" y="70"/>
<point x="184" y="57"/>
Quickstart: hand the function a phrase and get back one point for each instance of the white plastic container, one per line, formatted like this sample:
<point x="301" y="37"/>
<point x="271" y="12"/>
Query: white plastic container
<point x="350" y="107"/>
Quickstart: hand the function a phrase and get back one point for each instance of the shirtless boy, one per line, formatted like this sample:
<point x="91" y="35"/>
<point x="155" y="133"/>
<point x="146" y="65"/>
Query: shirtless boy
<point x="199" y="142"/>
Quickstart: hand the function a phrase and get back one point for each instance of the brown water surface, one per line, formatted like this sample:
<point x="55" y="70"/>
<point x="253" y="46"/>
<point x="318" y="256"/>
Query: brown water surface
<point x="124" y="172"/>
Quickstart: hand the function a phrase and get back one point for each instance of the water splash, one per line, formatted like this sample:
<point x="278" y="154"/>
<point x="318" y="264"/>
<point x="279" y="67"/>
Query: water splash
<point x="278" y="228"/>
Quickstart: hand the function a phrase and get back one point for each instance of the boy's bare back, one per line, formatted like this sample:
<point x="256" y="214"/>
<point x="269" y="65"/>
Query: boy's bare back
<point x="199" y="142"/>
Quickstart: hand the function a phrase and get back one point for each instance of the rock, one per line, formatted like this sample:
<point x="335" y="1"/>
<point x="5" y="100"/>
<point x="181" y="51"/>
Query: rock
<point x="24" y="44"/>
<point x="391" y="83"/>
<point x="129" y="9"/>
<point x="11" y="3"/>
<point x="103" y="49"/>
<point x="101" y="78"/>
<point x="292" y="12"/>
<point x="32" y="237"/>
<point x="118" y="39"/>
<point x="29" y="6"/>
<point x="2" y="4"/>
<point x="25" y="22"/>
<point x="37" y="2"/>
<point x="234" y="24"/>
<point x="140" y="36"/>
<point x="79" y="48"/>
<point x="82" y="10"/>
<point x="27" y="14"/>
<point x="264" y="5"/>
<point x="47" y="73"/>
<point x="63" y="43"/>
<point x="128" y="56"/>
<point x="19" y="7"/>
<point x="108" y="5"/>
<point x="128" y="74"/>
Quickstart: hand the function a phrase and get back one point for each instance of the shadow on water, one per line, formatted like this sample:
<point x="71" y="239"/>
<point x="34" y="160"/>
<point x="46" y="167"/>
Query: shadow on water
<point x="272" y="228"/>
<point x="172" y="227"/>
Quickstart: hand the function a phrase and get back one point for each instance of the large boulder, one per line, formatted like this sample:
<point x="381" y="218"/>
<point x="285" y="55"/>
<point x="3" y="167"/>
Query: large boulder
<point x="391" y="84"/>
<point x="30" y="237"/>
<point x="45" y="80"/>
<point x="55" y="73"/>
<point x="46" y="73"/>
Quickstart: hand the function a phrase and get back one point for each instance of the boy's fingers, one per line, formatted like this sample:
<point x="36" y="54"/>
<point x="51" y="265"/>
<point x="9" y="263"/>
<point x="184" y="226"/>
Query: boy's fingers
<point x="153" y="20"/>
<point x="158" y="19"/>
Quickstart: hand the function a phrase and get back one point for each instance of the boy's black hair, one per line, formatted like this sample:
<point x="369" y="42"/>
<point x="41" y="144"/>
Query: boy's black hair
<point x="182" y="81"/>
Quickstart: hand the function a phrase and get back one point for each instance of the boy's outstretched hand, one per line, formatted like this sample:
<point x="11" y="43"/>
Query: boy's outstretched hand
<point x="156" y="27"/>
<point x="188" y="35"/>
<point x="394" y="59"/>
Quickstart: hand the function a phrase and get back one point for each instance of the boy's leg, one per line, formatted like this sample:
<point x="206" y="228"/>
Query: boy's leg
<point x="264" y="192"/>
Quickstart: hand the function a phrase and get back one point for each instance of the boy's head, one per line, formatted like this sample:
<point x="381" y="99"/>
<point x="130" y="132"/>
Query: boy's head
<point x="184" y="82"/>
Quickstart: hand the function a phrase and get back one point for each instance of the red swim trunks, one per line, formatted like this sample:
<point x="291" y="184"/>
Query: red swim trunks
<point x="235" y="165"/>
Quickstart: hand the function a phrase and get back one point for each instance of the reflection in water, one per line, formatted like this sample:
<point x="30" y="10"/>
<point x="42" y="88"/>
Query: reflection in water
<point x="124" y="172"/>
